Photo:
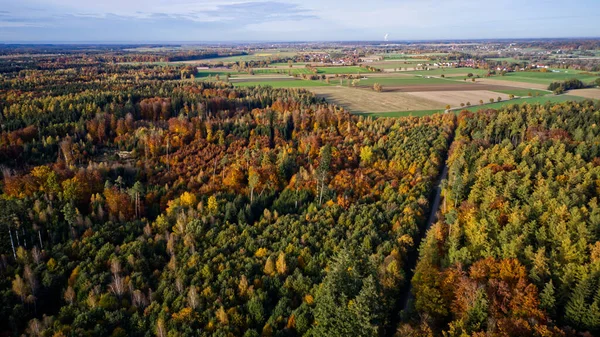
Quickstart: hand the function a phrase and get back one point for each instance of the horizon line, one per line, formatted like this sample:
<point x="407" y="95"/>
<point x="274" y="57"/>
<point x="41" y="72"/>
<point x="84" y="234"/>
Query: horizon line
<point x="174" y="42"/>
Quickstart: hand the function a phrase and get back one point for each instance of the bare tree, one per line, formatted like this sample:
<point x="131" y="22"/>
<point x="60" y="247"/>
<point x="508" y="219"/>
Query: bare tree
<point x="69" y="295"/>
<point x="192" y="297"/>
<point x="117" y="286"/>
<point x="160" y="328"/>
<point x="36" y="254"/>
<point x="138" y="298"/>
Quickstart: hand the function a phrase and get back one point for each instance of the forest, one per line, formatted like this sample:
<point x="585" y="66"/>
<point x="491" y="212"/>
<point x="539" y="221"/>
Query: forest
<point x="137" y="200"/>
<point x="136" y="203"/>
<point x="517" y="249"/>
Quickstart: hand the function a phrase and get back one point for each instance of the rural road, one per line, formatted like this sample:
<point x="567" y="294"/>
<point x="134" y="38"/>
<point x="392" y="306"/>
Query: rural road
<point x="432" y="219"/>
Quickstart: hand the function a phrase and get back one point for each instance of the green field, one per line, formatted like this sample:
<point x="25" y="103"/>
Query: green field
<point x="524" y="92"/>
<point x="341" y="70"/>
<point x="532" y="100"/>
<point x="546" y="78"/>
<point x="281" y="83"/>
<point x="448" y="71"/>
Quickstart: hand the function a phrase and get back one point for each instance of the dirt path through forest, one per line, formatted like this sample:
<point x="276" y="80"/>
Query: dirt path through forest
<point x="407" y="296"/>
<point x="406" y="293"/>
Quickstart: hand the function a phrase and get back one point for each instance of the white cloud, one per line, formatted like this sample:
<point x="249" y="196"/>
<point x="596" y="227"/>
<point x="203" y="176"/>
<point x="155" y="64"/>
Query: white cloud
<point x="295" y="19"/>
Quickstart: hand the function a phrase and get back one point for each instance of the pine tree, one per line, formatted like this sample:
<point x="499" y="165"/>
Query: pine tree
<point x="347" y="303"/>
<point x="547" y="300"/>
<point x="577" y="309"/>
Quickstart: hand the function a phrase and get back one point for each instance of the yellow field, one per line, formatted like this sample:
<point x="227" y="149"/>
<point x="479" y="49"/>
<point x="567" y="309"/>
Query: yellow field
<point x="366" y="100"/>
<point x="593" y="93"/>
<point x="455" y="98"/>
<point x="523" y="85"/>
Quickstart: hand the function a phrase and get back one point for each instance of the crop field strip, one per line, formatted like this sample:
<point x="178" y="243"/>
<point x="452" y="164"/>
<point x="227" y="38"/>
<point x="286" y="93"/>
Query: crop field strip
<point x="546" y="78"/>
<point x="449" y="71"/>
<point x="524" y="92"/>
<point x="593" y="93"/>
<point x="456" y="98"/>
<point x="282" y="83"/>
<point x="363" y="100"/>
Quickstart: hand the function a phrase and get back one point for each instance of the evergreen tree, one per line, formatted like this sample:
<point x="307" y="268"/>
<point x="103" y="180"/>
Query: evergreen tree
<point x="547" y="300"/>
<point x="347" y="303"/>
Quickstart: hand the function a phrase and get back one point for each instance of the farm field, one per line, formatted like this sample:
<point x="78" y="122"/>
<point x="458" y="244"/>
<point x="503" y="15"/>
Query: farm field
<point x="496" y="105"/>
<point x="342" y="70"/>
<point x="449" y="71"/>
<point x="513" y="83"/>
<point x="364" y="100"/>
<point x="410" y="93"/>
<point x="593" y="93"/>
<point x="395" y="114"/>
<point x="545" y="78"/>
<point x="400" y="94"/>
<point x="416" y="84"/>
<point x="455" y="98"/>
<point x="524" y="92"/>
<point x="281" y="83"/>
<point x="532" y="100"/>
<point x="432" y="88"/>
<point x="403" y="80"/>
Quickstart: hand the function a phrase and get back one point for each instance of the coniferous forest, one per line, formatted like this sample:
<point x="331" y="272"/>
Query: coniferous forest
<point x="138" y="201"/>
<point x="517" y="252"/>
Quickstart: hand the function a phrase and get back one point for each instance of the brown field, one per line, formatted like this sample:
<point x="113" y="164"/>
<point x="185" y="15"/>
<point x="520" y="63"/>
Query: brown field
<point x="521" y="85"/>
<point x="459" y="87"/>
<point x="455" y="98"/>
<point x="593" y="93"/>
<point x="388" y="75"/>
<point x="364" y="100"/>
<point x="254" y="78"/>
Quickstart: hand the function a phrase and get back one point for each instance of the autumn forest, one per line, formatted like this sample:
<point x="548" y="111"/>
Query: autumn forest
<point x="138" y="200"/>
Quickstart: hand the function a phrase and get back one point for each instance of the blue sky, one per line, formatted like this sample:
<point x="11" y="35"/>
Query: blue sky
<point x="292" y="20"/>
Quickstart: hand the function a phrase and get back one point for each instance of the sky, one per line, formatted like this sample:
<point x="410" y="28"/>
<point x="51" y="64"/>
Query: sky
<point x="293" y="20"/>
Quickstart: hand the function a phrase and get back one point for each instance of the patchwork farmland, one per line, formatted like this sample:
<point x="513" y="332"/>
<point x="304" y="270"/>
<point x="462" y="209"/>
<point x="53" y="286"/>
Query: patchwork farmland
<point x="407" y="83"/>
